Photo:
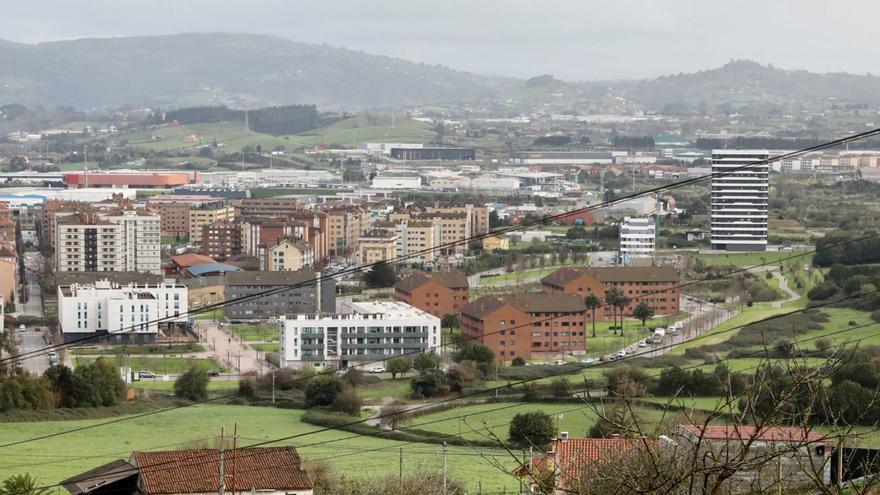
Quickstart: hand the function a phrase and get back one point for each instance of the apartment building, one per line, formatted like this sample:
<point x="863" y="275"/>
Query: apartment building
<point x="280" y="293"/>
<point x="207" y="214"/>
<point x="637" y="240"/>
<point x="85" y="242"/>
<point x="10" y="278"/>
<point x="221" y="240"/>
<point x="57" y="207"/>
<point x="267" y="207"/>
<point x="174" y="218"/>
<point x="141" y="240"/>
<point x="128" y="314"/>
<point x="739" y="200"/>
<point x="530" y="326"/>
<point x="438" y="293"/>
<point x="345" y="227"/>
<point x="657" y="286"/>
<point x="375" y="246"/>
<point x="286" y="254"/>
<point x="366" y="336"/>
<point x="415" y="241"/>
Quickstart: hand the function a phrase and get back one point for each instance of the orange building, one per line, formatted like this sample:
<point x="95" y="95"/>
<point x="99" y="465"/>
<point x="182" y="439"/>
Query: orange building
<point x="438" y="293"/>
<point x="657" y="286"/>
<point x="126" y="179"/>
<point x="530" y="326"/>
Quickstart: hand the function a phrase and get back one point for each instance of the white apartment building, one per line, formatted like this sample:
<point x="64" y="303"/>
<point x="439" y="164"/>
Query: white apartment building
<point x="637" y="240"/>
<point x="739" y="200"/>
<point x="133" y="313"/>
<point x="371" y="333"/>
<point x="121" y="241"/>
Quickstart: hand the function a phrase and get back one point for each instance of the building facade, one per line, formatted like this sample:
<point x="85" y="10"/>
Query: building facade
<point x="637" y="240"/>
<point x="174" y="218"/>
<point x="376" y="246"/>
<point x="221" y="240"/>
<point x="128" y="314"/>
<point x="263" y="295"/>
<point x="286" y="254"/>
<point x="739" y="200"/>
<point x="207" y="214"/>
<point x="530" y="326"/>
<point x="437" y="293"/>
<point x="141" y="237"/>
<point x="367" y="336"/>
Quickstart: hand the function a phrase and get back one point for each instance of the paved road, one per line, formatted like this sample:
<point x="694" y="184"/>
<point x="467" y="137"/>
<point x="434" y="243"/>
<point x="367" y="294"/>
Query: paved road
<point x="33" y="341"/>
<point x="34" y="305"/>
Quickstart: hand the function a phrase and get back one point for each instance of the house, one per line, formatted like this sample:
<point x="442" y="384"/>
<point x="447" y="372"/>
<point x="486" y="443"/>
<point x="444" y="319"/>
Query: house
<point x="495" y="242"/>
<point x="267" y="470"/>
<point x="790" y="457"/>
<point x="438" y="293"/>
<point x="530" y="326"/>
<point x="656" y="286"/>
<point x="572" y="460"/>
<point x="181" y="262"/>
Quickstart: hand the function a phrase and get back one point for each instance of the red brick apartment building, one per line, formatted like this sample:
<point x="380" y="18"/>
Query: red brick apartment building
<point x="530" y="326"/>
<point x="657" y="286"/>
<point x="438" y="293"/>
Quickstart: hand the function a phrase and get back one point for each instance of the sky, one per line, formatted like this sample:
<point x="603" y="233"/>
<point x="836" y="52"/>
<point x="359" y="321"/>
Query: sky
<point x="571" y="39"/>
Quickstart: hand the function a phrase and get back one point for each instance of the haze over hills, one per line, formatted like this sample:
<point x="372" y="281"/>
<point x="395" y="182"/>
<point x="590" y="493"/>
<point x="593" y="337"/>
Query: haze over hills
<point x="251" y="71"/>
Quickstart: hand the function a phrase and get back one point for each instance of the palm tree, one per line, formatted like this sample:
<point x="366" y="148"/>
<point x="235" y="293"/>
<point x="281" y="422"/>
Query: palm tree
<point x="611" y="298"/>
<point x="642" y="311"/>
<point x="593" y="302"/>
<point x="22" y="484"/>
<point x="622" y="302"/>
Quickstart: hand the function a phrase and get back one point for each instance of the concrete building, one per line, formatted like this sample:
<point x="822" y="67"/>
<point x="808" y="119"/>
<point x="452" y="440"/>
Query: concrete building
<point x="10" y="278"/>
<point x="371" y="333"/>
<point x="562" y="157"/>
<point x="530" y="326"/>
<point x="173" y="218"/>
<point x="415" y="241"/>
<point x="496" y="242"/>
<point x="221" y="240"/>
<point x="141" y="238"/>
<point x="463" y="154"/>
<point x="286" y="254"/>
<point x="637" y="240"/>
<point x="127" y="179"/>
<point x="124" y="241"/>
<point x="396" y="182"/>
<point x="345" y="226"/>
<point x="272" y="294"/>
<point x="267" y="207"/>
<point x="438" y="293"/>
<point x="739" y="200"/>
<point x="130" y="314"/>
<point x="375" y="246"/>
<point x="207" y="214"/>
<point x="657" y="286"/>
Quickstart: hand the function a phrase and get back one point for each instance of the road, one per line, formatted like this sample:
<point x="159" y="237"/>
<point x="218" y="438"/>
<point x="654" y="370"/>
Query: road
<point x="31" y="341"/>
<point x="34" y="306"/>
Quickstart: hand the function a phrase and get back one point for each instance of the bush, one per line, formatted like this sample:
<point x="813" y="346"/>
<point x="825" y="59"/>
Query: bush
<point x="531" y="429"/>
<point x="459" y="375"/>
<point x="247" y="388"/>
<point x="322" y="390"/>
<point x="429" y="383"/>
<point x="518" y="361"/>
<point x="478" y="353"/>
<point x="93" y="385"/>
<point x="823" y="345"/>
<point x="353" y="377"/>
<point x="823" y="291"/>
<point x="348" y="402"/>
<point x="399" y="366"/>
<point x="192" y="384"/>
<point x="426" y="361"/>
<point x="560" y="387"/>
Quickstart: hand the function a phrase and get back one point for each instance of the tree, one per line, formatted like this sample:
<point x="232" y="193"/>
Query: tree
<point x="642" y="311"/>
<point x="593" y="303"/>
<point x="621" y="303"/>
<point x="531" y="429"/>
<point x="429" y="383"/>
<point x="426" y="361"/>
<point x="611" y="299"/>
<point x="518" y="361"/>
<point x="348" y="401"/>
<point x="192" y="384"/>
<point x="399" y="366"/>
<point x="478" y="353"/>
<point x="22" y="484"/>
<point x="322" y="390"/>
<point x="616" y="420"/>
<point x="380" y="276"/>
<point x="450" y="320"/>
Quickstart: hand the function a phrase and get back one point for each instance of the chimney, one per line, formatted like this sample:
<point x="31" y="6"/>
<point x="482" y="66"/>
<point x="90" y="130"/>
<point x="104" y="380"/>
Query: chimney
<point x="563" y="436"/>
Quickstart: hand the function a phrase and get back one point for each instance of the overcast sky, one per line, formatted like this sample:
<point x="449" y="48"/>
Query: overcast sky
<point x="572" y="39"/>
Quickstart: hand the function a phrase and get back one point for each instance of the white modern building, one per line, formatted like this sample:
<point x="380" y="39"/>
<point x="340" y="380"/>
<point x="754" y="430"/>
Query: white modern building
<point x="128" y="314"/>
<point x="397" y="182"/>
<point x="141" y="240"/>
<point x="739" y="199"/>
<point x="637" y="240"/>
<point x="370" y="334"/>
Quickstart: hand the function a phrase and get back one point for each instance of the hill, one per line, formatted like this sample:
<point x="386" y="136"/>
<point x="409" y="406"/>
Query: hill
<point x="236" y="70"/>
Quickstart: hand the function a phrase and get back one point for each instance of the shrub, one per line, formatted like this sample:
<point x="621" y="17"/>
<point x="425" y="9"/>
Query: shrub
<point x="322" y="390"/>
<point x="459" y="375"/>
<point x="823" y="345"/>
<point x="348" y="402"/>
<point x="429" y="383"/>
<point x="479" y="353"/>
<point x="560" y="387"/>
<point x="518" y="361"/>
<point x="426" y="361"/>
<point x="354" y="377"/>
<point x="192" y="384"/>
<point x="825" y="290"/>
<point x="247" y="388"/>
<point x="399" y="366"/>
<point x="531" y="429"/>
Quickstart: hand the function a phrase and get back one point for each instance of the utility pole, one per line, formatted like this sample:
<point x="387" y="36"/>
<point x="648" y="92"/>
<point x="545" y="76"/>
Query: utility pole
<point x="400" y="474"/>
<point x="222" y="486"/>
<point x="273" y="386"/>
<point x="445" y="451"/>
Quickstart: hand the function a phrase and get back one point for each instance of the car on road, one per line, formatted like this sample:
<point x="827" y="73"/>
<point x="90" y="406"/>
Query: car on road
<point x="621" y="353"/>
<point x="21" y="328"/>
<point x="377" y="370"/>
<point x="643" y="343"/>
<point x="587" y="361"/>
<point x="213" y="373"/>
<point x="146" y="374"/>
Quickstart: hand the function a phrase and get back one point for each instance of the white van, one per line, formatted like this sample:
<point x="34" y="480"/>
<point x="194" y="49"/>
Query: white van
<point x="659" y="333"/>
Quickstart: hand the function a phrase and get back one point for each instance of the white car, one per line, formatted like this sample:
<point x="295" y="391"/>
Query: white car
<point x="377" y="370"/>
<point x="642" y="343"/>
<point x="621" y="353"/>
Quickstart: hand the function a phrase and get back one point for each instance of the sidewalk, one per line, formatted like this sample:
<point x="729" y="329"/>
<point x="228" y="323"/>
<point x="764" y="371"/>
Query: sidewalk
<point x="228" y="349"/>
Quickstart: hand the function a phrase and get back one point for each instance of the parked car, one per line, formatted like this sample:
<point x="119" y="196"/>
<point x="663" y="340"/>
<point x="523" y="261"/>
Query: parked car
<point x="21" y="328"/>
<point x="377" y="370"/>
<point x="146" y="374"/>
<point x="213" y="373"/>
<point x="649" y="340"/>
<point x="587" y="361"/>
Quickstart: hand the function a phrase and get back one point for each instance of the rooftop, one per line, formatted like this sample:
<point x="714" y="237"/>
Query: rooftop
<point x="271" y="278"/>
<point x="566" y="275"/>
<point x="452" y="280"/>
<point x="528" y="303"/>
<point x="743" y="432"/>
<point x="211" y="268"/>
<point x="191" y="259"/>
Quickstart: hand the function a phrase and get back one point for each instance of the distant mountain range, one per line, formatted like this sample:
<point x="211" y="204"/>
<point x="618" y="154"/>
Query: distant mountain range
<point x="250" y="71"/>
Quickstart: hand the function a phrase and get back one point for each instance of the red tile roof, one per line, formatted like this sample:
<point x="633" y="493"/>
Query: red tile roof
<point x="191" y="259"/>
<point x="743" y="432"/>
<point x="198" y="470"/>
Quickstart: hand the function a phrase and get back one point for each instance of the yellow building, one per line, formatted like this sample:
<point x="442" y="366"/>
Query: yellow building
<point x="496" y="242"/>
<point x="206" y="215"/>
<point x="286" y="255"/>
<point x="376" y="246"/>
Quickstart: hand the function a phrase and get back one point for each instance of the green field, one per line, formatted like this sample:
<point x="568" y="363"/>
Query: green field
<point x="52" y="460"/>
<point x="266" y="347"/>
<point x="254" y="333"/>
<point x="158" y="365"/>
<point x="220" y="383"/>
<point x="746" y="259"/>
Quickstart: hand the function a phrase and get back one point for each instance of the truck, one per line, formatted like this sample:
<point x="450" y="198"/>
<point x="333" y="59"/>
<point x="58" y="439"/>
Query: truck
<point x="659" y="333"/>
